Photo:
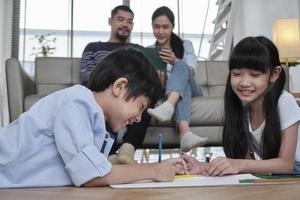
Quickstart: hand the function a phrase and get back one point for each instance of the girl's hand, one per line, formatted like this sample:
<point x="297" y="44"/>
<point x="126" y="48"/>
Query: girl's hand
<point x="193" y="165"/>
<point x="222" y="166"/>
<point x="168" y="56"/>
<point x="167" y="169"/>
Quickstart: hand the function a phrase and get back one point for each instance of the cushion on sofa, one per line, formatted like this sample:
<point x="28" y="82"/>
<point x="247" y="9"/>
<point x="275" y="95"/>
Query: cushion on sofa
<point x="55" y="73"/>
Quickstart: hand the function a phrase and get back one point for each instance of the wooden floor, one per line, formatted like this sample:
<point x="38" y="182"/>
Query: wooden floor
<point x="265" y="192"/>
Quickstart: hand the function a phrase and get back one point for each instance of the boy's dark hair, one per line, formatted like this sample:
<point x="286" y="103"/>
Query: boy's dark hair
<point x="120" y="7"/>
<point x="257" y="53"/>
<point x="176" y="42"/>
<point x="129" y="63"/>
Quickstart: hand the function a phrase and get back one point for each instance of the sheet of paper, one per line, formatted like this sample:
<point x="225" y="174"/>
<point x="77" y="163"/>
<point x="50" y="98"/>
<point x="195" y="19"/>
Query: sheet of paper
<point x="190" y="182"/>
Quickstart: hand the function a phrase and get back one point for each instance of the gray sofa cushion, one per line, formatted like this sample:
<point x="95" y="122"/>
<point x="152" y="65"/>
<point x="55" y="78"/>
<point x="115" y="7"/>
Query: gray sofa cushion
<point x="211" y="77"/>
<point x="171" y="138"/>
<point x="55" y="73"/>
<point x="19" y="85"/>
<point x="205" y="111"/>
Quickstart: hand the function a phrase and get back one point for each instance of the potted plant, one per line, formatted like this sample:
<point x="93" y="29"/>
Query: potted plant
<point x="46" y="45"/>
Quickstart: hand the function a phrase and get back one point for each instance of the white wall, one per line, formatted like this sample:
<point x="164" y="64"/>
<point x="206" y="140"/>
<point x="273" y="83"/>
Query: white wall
<point x="295" y="71"/>
<point x="256" y="17"/>
<point x="295" y="78"/>
<point x="6" y="7"/>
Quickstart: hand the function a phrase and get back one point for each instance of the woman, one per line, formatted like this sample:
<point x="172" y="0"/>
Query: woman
<point x="181" y="86"/>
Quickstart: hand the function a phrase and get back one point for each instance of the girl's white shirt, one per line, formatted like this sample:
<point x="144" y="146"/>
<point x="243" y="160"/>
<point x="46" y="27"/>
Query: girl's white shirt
<point x="289" y="112"/>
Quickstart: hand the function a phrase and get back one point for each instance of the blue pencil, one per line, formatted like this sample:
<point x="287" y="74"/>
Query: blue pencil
<point x="160" y="147"/>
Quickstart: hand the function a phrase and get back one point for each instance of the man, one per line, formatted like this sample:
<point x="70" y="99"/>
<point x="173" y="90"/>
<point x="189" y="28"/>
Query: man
<point x="121" y="22"/>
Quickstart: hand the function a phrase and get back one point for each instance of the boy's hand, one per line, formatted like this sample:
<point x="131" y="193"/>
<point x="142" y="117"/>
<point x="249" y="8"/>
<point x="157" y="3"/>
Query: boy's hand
<point x="164" y="172"/>
<point x="167" y="169"/>
<point x="222" y="166"/>
<point x="179" y="165"/>
<point x="193" y="165"/>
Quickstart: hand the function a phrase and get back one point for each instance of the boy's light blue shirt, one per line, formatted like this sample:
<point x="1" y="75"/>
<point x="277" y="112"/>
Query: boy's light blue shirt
<point x="61" y="140"/>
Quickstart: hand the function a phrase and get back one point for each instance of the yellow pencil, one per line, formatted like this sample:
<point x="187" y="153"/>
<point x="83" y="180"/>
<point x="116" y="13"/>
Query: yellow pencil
<point x="187" y="176"/>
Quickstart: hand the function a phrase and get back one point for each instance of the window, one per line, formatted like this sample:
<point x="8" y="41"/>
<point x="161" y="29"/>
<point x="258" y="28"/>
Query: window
<point x="43" y="18"/>
<point x="190" y="21"/>
<point x="52" y="20"/>
<point x="91" y="22"/>
<point x="67" y="26"/>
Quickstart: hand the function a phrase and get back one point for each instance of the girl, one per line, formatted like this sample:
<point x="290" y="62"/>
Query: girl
<point x="264" y="139"/>
<point x="181" y="86"/>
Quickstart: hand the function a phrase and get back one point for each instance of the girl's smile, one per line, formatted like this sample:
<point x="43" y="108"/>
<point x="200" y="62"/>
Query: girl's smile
<point x="245" y="92"/>
<point x="249" y="85"/>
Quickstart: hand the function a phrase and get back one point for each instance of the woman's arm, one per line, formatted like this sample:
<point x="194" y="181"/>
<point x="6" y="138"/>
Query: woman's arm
<point x="168" y="56"/>
<point x="190" y="57"/>
<point x="284" y="163"/>
<point x="286" y="156"/>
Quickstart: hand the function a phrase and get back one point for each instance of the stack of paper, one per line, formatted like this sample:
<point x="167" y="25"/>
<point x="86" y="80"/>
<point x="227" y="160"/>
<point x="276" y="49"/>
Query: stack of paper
<point x="190" y="181"/>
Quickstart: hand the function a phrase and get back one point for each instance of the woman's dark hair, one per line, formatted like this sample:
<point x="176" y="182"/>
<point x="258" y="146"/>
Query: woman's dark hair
<point x="176" y="42"/>
<point x="129" y="63"/>
<point x="257" y="53"/>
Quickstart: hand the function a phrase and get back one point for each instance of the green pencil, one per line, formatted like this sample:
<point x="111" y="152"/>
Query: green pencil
<point x="278" y="180"/>
<point x="277" y="176"/>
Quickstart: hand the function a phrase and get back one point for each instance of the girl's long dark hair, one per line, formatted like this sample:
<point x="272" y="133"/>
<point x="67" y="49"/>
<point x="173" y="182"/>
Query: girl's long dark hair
<point x="258" y="53"/>
<point x="176" y="42"/>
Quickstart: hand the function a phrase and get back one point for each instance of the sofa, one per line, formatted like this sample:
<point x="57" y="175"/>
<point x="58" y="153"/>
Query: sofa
<point x="55" y="73"/>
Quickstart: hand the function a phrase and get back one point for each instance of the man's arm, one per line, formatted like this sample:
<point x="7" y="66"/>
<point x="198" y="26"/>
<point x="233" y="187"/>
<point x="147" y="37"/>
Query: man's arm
<point x="87" y="63"/>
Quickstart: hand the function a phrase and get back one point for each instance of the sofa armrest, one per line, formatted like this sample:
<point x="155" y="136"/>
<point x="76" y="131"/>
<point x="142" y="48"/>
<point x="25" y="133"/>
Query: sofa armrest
<point x="19" y="85"/>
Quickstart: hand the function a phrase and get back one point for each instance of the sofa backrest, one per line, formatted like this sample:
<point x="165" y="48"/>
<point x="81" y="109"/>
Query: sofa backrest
<point x="55" y="73"/>
<point x="211" y="77"/>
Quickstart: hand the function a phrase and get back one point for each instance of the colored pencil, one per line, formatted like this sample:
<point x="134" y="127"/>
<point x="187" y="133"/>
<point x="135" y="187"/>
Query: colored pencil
<point x="187" y="176"/>
<point x="278" y="180"/>
<point x="160" y="147"/>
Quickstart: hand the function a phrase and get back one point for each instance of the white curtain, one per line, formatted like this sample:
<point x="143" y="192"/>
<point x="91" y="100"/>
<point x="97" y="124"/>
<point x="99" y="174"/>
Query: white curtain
<point x="6" y="12"/>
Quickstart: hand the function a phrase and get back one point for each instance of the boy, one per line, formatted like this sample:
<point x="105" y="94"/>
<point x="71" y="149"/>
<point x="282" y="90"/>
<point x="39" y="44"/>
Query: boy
<point x="62" y="139"/>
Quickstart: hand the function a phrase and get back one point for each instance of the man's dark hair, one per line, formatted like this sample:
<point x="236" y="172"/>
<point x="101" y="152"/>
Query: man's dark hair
<point x="121" y="7"/>
<point x="129" y="63"/>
